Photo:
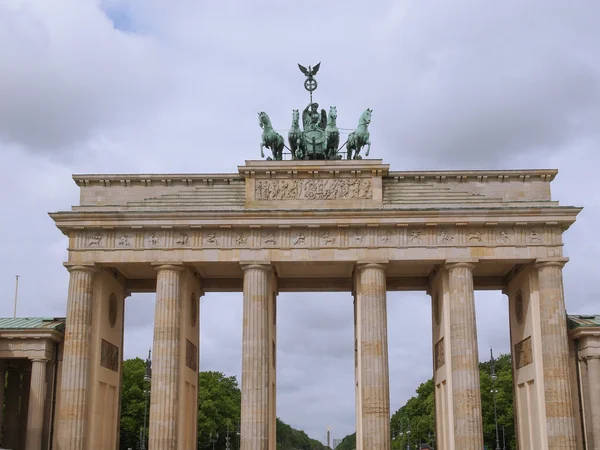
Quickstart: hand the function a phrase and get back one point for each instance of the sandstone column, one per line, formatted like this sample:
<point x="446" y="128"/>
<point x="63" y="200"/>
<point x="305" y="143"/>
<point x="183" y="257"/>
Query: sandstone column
<point x="374" y="385"/>
<point x="468" y="427"/>
<point x="164" y="396"/>
<point x="72" y="415"/>
<point x="555" y="355"/>
<point x="2" y="378"/>
<point x="255" y="358"/>
<point x="10" y="437"/>
<point x="593" y="366"/>
<point x="37" y="397"/>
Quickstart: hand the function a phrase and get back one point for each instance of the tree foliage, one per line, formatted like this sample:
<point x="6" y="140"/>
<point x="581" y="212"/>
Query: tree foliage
<point x="219" y="411"/>
<point x="418" y="414"/>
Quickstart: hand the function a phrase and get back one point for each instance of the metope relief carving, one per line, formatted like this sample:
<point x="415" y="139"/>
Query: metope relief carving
<point x="327" y="238"/>
<point x="415" y="237"/>
<point x="503" y="237"/>
<point x="440" y="357"/>
<point x="535" y="237"/>
<point x="124" y="240"/>
<point x="311" y="189"/>
<point x="153" y="239"/>
<point x="182" y="239"/>
<point x="241" y="238"/>
<point x="523" y="353"/>
<point x="474" y="237"/>
<point x="270" y="238"/>
<point x="445" y="237"/>
<point x="386" y="238"/>
<point x="211" y="238"/>
<point x="299" y="240"/>
<point x="95" y="240"/>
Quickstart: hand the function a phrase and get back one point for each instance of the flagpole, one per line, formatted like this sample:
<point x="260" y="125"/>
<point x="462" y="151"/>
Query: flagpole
<point x="16" y="294"/>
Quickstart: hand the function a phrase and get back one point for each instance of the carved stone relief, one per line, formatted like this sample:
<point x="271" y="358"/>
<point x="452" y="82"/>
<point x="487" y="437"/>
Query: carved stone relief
<point x="437" y="308"/>
<point x="523" y="353"/>
<point x="109" y="356"/>
<point x="95" y="240"/>
<point x="314" y="189"/>
<point x="191" y="355"/>
<point x="182" y="239"/>
<point x="519" y="307"/>
<point x="317" y="236"/>
<point x="112" y="310"/>
<point x="124" y="240"/>
<point x="193" y="310"/>
<point x="153" y="239"/>
<point x="440" y="357"/>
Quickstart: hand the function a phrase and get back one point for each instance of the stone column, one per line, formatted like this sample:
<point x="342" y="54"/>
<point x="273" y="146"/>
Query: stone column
<point x="255" y="358"/>
<point x="72" y="415"/>
<point x="164" y="395"/>
<point x="2" y="379"/>
<point x="593" y="367"/>
<point x="374" y="384"/>
<point x="10" y="437"/>
<point x="468" y="427"/>
<point x="37" y="397"/>
<point x="555" y="356"/>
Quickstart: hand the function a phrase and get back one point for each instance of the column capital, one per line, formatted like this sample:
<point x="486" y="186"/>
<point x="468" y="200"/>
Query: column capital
<point x="256" y="265"/>
<point x="42" y="360"/>
<point x="81" y="268"/>
<point x="542" y="263"/>
<point x="362" y="265"/>
<point x="177" y="267"/>
<point x="457" y="264"/>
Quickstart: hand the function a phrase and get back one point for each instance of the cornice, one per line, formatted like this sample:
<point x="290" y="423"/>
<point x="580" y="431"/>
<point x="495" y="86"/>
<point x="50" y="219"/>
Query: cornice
<point x="563" y="216"/>
<point x="310" y="168"/>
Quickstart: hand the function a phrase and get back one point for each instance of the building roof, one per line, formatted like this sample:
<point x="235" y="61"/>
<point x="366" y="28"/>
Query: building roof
<point x="575" y="321"/>
<point x="32" y="323"/>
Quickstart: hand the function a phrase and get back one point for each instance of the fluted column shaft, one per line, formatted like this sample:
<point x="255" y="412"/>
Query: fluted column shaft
<point x="593" y="367"/>
<point x="2" y="378"/>
<point x="164" y="397"/>
<point x="72" y="416"/>
<point x="37" y="400"/>
<point x="560" y="421"/>
<point x="10" y="438"/>
<point x="468" y="427"/>
<point x="374" y="370"/>
<point x="255" y="358"/>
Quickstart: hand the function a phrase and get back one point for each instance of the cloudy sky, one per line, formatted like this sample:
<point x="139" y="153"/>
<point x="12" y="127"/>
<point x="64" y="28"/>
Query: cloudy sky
<point x="119" y="86"/>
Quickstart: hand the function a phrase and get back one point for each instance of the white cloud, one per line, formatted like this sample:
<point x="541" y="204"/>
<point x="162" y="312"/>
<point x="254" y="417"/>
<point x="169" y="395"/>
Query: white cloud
<point x="150" y="86"/>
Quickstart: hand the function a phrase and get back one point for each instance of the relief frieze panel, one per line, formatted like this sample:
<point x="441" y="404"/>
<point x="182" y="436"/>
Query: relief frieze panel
<point x="315" y="236"/>
<point x="314" y="189"/>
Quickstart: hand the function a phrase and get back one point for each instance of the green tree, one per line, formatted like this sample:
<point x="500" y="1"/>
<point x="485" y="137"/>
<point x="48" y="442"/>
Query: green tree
<point x="219" y="411"/>
<point x="133" y="403"/>
<point x="418" y="414"/>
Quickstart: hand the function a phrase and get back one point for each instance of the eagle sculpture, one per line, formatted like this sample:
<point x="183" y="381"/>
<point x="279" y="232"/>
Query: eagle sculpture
<point x="311" y="71"/>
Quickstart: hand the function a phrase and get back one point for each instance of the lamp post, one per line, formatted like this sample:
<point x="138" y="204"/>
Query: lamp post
<point x="147" y="381"/>
<point x="494" y="392"/>
<point x="213" y="440"/>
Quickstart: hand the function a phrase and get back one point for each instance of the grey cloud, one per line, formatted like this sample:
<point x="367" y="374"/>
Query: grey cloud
<point x="457" y="84"/>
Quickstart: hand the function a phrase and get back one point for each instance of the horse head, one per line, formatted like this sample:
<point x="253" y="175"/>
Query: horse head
<point x="365" y="117"/>
<point x="263" y="120"/>
<point x="295" y="117"/>
<point x="332" y="114"/>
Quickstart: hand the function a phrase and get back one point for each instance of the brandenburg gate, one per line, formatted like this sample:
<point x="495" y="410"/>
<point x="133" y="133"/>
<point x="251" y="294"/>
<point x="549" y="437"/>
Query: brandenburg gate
<point x="303" y="225"/>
